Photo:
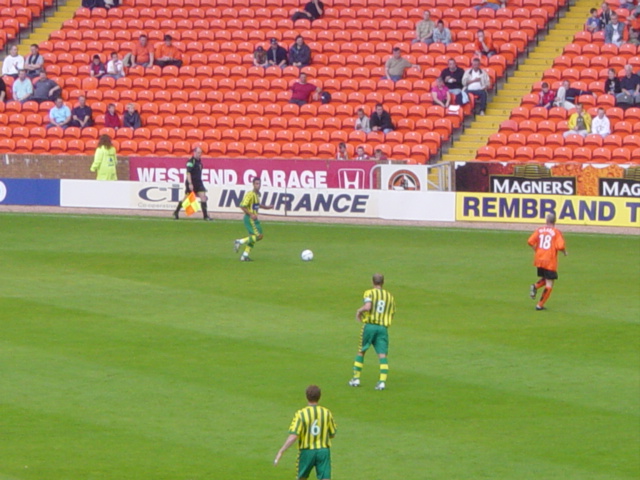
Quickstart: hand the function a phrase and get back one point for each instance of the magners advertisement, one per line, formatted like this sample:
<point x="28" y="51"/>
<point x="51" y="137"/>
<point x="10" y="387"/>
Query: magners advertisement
<point x="591" y="180"/>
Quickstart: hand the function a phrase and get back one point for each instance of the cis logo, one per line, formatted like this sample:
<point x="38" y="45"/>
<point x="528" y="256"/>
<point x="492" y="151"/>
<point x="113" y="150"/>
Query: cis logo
<point x="161" y="194"/>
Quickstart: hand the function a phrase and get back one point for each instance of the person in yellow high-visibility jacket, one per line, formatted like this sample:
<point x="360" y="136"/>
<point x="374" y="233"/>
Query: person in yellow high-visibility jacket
<point x="105" y="160"/>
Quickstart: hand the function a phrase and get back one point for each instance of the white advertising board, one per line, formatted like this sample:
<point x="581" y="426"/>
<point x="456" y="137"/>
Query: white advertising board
<point x="389" y="204"/>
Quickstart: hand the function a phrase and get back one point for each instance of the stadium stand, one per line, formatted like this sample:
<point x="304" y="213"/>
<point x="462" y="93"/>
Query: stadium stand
<point x="220" y="99"/>
<point x="535" y="133"/>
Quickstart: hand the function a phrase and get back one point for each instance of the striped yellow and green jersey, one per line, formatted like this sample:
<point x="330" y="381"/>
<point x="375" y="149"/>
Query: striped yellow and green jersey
<point x="314" y="426"/>
<point x="251" y="201"/>
<point x="383" y="307"/>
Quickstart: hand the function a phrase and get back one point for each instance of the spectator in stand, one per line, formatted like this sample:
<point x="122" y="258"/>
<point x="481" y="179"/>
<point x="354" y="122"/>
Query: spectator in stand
<point x="33" y="62"/>
<point x="477" y="83"/>
<point x="493" y="4"/>
<point x="167" y="54"/>
<point x="111" y="118"/>
<point x="362" y="123"/>
<point x="614" y="32"/>
<point x="424" y="29"/>
<point x="97" y="68"/>
<point x="13" y="63"/>
<point x="142" y="54"/>
<point x="276" y="55"/>
<point x="594" y="22"/>
<point x="312" y="10"/>
<point x="59" y="115"/>
<point x="131" y="118"/>
<point x="634" y="32"/>
<point x="440" y="93"/>
<point x="634" y="27"/>
<point x="380" y="120"/>
<point x="441" y="34"/>
<point x="301" y="91"/>
<point x="3" y="90"/>
<point x="105" y="160"/>
<point x="299" y="53"/>
<point x="22" y="87"/>
<point x="361" y="154"/>
<point x="605" y="14"/>
<point x="628" y="5"/>
<point x="379" y="155"/>
<point x="396" y="65"/>
<point x="579" y="123"/>
<point x="45" y="89"/>
<point x="612" y="83"/>
<point x="342" y="152"/>
<point x="115" y="67"/>
<point x="547" y="96"/>
<point x="452" y="77"/>
<point x="630" y="86"/>
<point x="82" y="115"/>
<point x="567" y="96"/>
<point x="484" y="45"/>
<point x="601" y="124"/>
<point x="260" y="57"/>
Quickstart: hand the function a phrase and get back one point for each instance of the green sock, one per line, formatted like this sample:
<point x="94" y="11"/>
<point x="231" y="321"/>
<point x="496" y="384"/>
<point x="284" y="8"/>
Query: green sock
<point x="357" y="366"/>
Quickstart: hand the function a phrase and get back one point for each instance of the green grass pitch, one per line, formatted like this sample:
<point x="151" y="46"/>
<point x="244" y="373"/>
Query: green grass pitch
<point x="141" y="348"/>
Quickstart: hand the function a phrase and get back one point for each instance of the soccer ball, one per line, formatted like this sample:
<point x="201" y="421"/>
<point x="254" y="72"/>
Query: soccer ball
<point x="306" y="255"/>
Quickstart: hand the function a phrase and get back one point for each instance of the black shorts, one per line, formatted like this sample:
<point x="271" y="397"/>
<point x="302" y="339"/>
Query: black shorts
<point x="547" y="274"/>
<point x="197" y="187"/>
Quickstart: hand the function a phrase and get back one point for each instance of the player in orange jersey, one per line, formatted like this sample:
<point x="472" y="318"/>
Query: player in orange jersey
<point x="546" y="242"/>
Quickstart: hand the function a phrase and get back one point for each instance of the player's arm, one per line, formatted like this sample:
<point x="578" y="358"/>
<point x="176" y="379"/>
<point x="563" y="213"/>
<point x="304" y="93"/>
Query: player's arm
<point x="533" y="240"/>
<point x="266" y="207"/>
<point x="291" y="439"/>
<point x="364" y="308"/>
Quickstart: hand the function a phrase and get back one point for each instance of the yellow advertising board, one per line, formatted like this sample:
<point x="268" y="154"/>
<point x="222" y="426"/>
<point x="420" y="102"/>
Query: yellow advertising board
<point x="569" y="210"/>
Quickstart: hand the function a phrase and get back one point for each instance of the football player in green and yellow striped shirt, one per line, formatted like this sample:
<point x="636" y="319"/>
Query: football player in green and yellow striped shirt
<point x="313" y="428"/>
<point x="250" y="205"/>
<point x="376" y="315"/>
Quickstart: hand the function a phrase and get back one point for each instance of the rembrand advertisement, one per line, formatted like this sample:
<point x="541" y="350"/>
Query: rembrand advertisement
<point x="597" y="211"/>
<point x="591" y="180"/>
<point x="273" y="173"/>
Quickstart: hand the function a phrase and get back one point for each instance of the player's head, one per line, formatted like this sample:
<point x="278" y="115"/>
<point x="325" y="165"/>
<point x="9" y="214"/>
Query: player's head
<point x="197" y="152"/>
<point x="551" y="219"/>
<point x="378" y="279"/>
<point x="313" y="393"/>
<point x="256" y="183"/>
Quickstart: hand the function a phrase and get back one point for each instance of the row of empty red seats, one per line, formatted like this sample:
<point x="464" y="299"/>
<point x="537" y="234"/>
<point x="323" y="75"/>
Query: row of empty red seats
<point x="622" y="155"/>
<point x="428" y="139"/>
<point x="401" y="18"/>
<point x="612" y="141"/>
<point x="436" y="5"/>
<point x="58" y="146"/>
<point x="16" y="15"/>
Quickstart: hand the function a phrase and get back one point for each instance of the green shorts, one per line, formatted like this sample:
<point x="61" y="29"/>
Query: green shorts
<point x="320" y="458"/>
<point x="252" y="226"/>
<point x="375" y="335"/>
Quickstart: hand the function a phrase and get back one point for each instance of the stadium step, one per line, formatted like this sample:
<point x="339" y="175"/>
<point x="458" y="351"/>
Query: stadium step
<point x="51" y="24"/>
<point x="518" y="85"/>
